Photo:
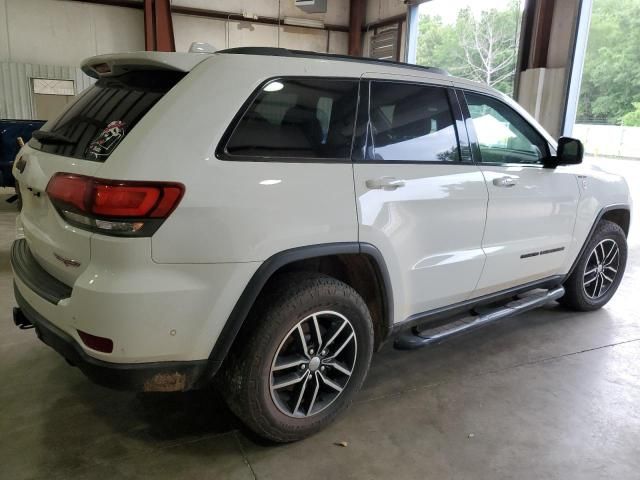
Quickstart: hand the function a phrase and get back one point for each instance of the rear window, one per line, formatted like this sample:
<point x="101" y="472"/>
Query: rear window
<point x="297" y="118"/>
<point x="102" y="116"/>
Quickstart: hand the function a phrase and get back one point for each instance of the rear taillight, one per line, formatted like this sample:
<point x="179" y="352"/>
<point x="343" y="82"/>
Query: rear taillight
<point x="113" y="207"/>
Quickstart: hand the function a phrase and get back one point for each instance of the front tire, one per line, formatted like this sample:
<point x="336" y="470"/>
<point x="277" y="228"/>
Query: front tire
<point x="301" y="358"/>
<point x="599" y="270"/>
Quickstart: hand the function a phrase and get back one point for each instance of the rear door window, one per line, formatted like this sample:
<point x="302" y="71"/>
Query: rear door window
<point x="412" y="123"/>
<point x="102" y="116"/>
<point x="297" y="118"/>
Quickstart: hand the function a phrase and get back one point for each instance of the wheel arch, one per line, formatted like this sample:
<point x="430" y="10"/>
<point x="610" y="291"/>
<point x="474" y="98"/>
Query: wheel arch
<point x="619" y="214"/>
<point x="347" y="261"/>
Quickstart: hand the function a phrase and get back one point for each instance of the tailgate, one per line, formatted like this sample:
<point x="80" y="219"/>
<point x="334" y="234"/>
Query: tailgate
<point x="62" y="250"/>
<point x="79" y="142"/>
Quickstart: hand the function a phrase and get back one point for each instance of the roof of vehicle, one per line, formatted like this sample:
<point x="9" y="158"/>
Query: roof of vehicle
<point x="117" y="63"/>
<point x="284" y="52"/>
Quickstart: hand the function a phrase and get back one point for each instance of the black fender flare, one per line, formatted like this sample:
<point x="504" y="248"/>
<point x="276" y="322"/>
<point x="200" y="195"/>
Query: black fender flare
<point x="268" y="268"/>
<point x="601" y="213"/>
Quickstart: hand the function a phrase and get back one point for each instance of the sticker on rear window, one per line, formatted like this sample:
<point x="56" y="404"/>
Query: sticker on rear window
<point x="107" y="140"/>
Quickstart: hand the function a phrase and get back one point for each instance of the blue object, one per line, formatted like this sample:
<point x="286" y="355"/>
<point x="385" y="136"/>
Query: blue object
<point x="10" y="130"/>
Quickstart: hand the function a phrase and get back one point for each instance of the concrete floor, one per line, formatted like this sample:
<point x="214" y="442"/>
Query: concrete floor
<point x="550" y="394"/>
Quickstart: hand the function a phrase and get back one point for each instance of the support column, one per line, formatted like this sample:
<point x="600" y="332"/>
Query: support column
<point x="577" y="65"/>
<point x="356" y="22"/>
<point x="411" y="48"/>
<point x="158" y="26"/>
<point x="547" y="48"/>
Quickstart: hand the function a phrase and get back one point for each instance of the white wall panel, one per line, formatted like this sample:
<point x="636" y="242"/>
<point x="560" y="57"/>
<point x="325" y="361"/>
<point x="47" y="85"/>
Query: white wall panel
<point x="303" y="39"/>
<point x="118" y="29"/>
<point x="58" y="32"/>
<point x="64" y="33"/>
<point x="50" y="38"/>
<point x="4" y="34"/>
<point x="262" y="8"/>
<point x="49" y="32"/>
<point x="337" y="10"/>
<point x="246" y="34"/>
<point x="188" y="29"/>
<point x="339" y="42"/>
<point x="381" y="9"/>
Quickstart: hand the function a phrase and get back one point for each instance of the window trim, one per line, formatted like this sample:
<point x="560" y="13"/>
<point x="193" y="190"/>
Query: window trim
<point x="222" y="153"/>
<point x="473" y="138"/>
<point x="456" y="115"/>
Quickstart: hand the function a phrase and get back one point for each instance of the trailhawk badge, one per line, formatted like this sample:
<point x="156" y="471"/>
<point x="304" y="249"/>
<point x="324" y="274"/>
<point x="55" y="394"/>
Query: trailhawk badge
<point x="107" y="140"/>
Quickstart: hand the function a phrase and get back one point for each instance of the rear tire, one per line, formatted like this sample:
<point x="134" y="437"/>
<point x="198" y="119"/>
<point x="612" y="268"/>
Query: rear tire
<point x="599" y="270"/>
<point x="284" y="389"/>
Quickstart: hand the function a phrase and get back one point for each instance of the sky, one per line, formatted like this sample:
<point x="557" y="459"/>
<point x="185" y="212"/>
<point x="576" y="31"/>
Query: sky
<point x="448" y="9"/>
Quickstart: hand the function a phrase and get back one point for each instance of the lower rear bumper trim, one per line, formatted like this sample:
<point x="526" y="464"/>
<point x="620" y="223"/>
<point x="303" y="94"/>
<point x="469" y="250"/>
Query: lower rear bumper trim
<point x="34" y="276"/>
<point x="148" y="377"/>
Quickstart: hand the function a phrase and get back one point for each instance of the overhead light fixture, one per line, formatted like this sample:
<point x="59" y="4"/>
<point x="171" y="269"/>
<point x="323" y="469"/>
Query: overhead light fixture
<point x="303" y="22"/>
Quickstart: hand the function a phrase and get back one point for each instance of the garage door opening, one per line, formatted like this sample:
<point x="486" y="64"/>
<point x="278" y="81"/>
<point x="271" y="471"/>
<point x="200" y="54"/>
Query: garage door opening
<point x="608" y="114"/>
<point x="471" y="39"/>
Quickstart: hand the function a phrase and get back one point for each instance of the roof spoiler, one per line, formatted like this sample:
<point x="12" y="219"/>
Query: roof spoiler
<point x="112" y="65"/>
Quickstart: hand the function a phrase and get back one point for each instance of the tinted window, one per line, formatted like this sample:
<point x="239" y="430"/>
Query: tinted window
<point x="503" y="135"/>
<point x="305" y="118"/>
<point x="411" y="123"/>
<point x="103" y="115"/>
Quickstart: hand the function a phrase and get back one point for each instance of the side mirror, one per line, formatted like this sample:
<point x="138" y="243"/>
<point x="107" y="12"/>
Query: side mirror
<point x="570" y="152"/>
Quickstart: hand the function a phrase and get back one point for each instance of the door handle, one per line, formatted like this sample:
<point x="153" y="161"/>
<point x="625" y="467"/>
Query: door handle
<point x="505" y="182"/>
<point x="384" y="183"/>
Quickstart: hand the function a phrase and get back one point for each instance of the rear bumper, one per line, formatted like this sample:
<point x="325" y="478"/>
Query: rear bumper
<point x="148" y="377"/>
<point x="27" y="269"/>
<point x="163" y="319"/>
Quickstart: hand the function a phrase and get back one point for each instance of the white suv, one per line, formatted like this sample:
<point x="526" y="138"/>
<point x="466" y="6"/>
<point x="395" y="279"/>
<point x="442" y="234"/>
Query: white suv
<point x="274" y="216"/>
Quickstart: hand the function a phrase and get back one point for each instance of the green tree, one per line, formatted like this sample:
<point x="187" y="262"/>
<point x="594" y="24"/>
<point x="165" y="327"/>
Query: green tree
<point x="611" y="76"/>
<point x="437" y="43"/>
<point x="481" y="48"/>
<point x="632" y="119"/>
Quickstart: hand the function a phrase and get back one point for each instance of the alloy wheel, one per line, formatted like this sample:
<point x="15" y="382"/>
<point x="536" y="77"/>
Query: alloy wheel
<point x="601" y="269"/>
<point x="313" y="364"/>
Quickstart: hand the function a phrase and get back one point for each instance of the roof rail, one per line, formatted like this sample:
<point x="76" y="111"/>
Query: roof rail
<point x="285" y="52"/>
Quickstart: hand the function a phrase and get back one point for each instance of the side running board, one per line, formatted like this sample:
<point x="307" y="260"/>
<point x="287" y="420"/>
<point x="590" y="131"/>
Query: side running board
<point x="415" y="339"/>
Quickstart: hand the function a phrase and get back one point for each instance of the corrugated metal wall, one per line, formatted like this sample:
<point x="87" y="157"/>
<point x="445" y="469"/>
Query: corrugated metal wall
<point x="16" y="91"/>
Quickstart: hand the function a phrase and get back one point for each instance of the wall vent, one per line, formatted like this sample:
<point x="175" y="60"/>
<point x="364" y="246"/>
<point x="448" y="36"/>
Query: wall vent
<point x="312" y="6"/>
<point x="385" y="44"/>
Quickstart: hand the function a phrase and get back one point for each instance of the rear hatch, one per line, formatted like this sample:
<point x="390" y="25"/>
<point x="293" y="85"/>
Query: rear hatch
<point x="80" y="140"/>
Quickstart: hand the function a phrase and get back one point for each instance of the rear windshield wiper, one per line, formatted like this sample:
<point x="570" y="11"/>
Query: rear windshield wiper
<point x="51" y="138"/>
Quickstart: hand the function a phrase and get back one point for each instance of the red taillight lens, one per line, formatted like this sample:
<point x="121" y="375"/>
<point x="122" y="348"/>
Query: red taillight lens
<point x="101" y="344"/>
<point x="69" y="190"/>
<point x="92" y="202"/>
<point x="124" y="201"/>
